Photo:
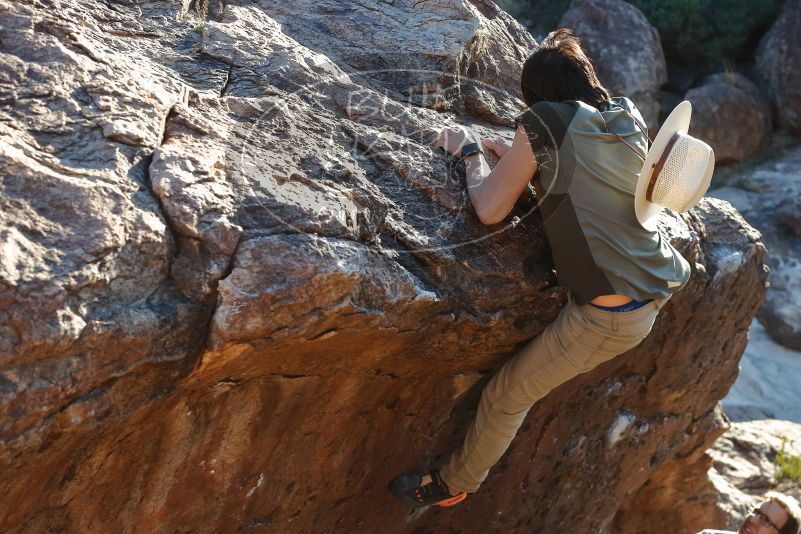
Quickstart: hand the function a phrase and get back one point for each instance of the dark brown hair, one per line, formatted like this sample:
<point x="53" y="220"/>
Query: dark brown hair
<point x="558" y="69"/>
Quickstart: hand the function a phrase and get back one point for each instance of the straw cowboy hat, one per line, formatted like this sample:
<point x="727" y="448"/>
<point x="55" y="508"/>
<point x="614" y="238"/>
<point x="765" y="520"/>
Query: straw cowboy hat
<point x="676" y="172"/>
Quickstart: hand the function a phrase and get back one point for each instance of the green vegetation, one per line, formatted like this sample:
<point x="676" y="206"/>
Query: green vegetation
<point x="703" y="33"/>
<point x="709" y="31"/>
<point x="199" y="29"/>
<point x="788" y="466"/>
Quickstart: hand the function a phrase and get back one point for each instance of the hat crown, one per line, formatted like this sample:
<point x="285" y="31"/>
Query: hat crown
<point x="676" y="185"/>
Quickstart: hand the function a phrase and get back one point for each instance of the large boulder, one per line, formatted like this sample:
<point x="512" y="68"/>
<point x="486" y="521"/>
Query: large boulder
<point x="457" y="56"/>
<point x="732" y="115"/>
<point x="778" y="61"/>
<point x="239" y="290"/>
<point x="625" y="50"/>
<point x="767" y="195"/>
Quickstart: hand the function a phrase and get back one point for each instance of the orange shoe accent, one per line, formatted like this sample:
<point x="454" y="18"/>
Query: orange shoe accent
<point x="459" y="497"/>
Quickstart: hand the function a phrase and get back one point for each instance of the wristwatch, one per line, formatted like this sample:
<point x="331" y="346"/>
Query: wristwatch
<point x="469" y="149"/>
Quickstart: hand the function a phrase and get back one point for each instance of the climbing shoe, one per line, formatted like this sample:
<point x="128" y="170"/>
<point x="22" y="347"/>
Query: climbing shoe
<point x="409" y="490"/>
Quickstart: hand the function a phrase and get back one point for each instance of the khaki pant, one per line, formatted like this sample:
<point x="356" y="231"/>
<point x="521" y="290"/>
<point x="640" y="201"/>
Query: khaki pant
<point x="580" y="338"/>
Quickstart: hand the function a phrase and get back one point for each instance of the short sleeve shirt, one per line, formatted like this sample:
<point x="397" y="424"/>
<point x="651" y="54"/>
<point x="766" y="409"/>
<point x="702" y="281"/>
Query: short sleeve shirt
<point x="585" y="188"/>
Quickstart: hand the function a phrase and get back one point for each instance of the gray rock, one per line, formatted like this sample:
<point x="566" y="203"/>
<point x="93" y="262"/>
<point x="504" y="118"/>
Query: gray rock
<point x="91" y="325"/>
<point x="744" y="467"/>
<point x="790" y="215"/>
<point x="778" y="61"/>
<point x="625" y="50"/>
<point x="460" y="56"/>
<point x="767" y="387"/>
<point x="716" y="487"/>
<point x="732" y="115"/>
<point x="767" y="196"/>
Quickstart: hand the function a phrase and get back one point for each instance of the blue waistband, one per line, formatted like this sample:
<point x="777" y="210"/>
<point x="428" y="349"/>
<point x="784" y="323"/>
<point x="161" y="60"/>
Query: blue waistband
<point x="629" y="306"/>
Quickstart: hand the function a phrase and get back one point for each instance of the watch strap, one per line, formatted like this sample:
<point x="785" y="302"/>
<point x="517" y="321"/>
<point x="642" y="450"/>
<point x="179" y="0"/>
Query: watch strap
<point x="469" y="149"/>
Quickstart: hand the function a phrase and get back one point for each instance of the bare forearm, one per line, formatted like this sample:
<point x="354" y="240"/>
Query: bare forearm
<point x="476" y="170"/>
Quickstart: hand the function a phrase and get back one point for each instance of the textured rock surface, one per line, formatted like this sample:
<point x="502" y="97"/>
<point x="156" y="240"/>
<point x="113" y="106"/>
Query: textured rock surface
<point x="91" y="325"/>
<point x="767" y="195"/>
<point x="240" y="291"/>
<point x="732" y="115"/>
<point x="767" y="387"/>
<point x="778" y="61"/>
<point x="744" y="466"/>
<point x="718" y="487"/>
<point x="625" y="50"/>
<point x="678" y="494"/>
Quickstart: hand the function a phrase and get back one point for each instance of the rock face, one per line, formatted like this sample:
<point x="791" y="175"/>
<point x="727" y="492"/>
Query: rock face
<point x="744" y="466"/>
<point x="778" y="61"/>
<point x="678" y="494"/>
<point x="238" y="289"/>
<point x="767" y="196"/>
<point x="716" y="489"/>
<point x="731" y="114"/>
<point x="625" y="50"/>
<point x="91" y="324"/>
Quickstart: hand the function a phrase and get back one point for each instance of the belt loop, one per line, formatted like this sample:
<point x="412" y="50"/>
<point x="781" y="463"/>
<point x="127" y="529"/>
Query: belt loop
<point x="614" y="321"/>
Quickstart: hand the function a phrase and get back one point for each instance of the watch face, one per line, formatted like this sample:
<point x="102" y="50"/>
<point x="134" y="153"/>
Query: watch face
<point x="470" y="149"/>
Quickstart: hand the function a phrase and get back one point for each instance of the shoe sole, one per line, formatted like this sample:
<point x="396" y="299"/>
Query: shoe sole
<point x="456" y="499"/>
<point x="398" y="490"/>
<point x="400" y="485"/>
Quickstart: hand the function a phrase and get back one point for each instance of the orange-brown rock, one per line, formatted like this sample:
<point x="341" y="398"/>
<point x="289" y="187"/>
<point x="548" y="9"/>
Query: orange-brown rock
<point x="240" y="291"/>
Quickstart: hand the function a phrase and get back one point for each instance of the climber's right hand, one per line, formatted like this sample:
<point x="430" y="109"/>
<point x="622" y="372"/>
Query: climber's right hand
<point x="499" y="146"/>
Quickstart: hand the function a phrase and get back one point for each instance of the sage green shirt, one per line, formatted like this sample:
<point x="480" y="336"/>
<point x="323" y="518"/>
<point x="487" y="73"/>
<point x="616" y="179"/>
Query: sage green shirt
<point x="587" y="178"/>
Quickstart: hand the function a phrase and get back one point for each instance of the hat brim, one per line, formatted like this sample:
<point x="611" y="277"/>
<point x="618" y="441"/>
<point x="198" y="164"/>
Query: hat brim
<point x="710" y="168"/>
<point x="678" y="121"/>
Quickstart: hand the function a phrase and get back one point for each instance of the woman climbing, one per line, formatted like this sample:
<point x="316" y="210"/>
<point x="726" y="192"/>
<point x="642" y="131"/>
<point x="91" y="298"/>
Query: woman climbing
<point x="600" y="191"/>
